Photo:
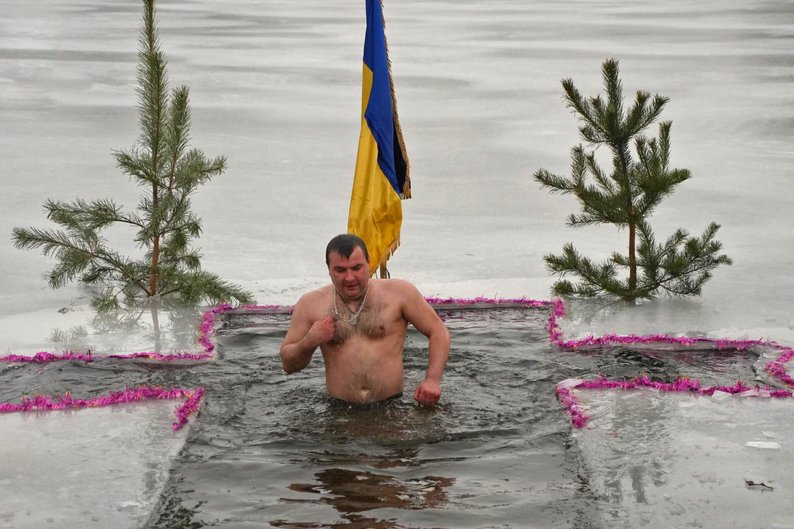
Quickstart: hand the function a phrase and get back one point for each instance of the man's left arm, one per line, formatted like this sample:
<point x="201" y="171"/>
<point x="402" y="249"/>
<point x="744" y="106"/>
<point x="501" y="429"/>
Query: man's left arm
<point x="420" y="314"/>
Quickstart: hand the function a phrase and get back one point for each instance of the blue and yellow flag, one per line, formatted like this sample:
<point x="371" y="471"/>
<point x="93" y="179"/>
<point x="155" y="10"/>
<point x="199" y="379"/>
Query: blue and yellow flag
<point x="381" y="177"/>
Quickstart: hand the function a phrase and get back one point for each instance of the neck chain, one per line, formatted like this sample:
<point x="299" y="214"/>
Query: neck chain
<point x="353" y="319"/>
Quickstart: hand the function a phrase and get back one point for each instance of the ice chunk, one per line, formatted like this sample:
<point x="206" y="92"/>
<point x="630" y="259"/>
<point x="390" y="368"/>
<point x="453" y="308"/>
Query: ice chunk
<point x="93" y="468"/>
<point x="763" y="444"/>
<point x="658" y="459"/>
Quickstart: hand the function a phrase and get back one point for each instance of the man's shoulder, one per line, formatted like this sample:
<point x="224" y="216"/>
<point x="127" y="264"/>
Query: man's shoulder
<point x="314" y="298"/>
<point x="397" y="288"/>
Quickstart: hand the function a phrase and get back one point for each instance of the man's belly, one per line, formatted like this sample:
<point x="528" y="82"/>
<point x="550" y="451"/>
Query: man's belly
<point x="363" y="374"/>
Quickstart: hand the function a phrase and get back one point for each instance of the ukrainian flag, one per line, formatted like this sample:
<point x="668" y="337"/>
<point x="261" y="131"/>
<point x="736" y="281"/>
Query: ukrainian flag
<point x="381" y="177"/>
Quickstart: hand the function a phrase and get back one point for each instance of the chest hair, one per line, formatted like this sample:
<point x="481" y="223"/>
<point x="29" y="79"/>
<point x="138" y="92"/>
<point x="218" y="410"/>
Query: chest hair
<point x="369" y="324"/>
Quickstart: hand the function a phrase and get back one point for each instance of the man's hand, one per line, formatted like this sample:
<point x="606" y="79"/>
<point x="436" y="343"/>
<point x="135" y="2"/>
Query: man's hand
<point x="320" y="332"/>
<point x="428" y="392"/>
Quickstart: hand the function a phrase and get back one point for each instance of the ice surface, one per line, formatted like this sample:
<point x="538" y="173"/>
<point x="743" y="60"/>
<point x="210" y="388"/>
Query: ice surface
<point x="120" y="333"/>
<point x="276" y="88"/>
<point x="99" y="467"/>
<point x="677" y="460"/>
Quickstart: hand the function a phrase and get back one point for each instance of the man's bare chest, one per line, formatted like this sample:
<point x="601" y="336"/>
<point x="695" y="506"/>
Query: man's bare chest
<point x="369" y="323"/>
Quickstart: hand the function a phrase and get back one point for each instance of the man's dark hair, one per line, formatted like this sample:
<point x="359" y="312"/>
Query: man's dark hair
<point x="344" y="245"/>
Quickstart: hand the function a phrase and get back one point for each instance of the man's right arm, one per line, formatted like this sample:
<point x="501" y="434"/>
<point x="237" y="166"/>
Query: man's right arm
<point x="304" y="337"/>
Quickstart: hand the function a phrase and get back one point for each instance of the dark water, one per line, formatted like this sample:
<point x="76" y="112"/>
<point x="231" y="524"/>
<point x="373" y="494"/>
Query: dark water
<point x="270" y="450"/>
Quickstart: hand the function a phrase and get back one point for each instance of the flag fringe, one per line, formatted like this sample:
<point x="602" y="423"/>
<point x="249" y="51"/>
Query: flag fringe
<point x="385" y="257"/>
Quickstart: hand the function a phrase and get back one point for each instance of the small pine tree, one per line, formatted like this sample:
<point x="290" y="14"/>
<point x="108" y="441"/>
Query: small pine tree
<point x="169" y="173"/>
<point x="626" y="198"/>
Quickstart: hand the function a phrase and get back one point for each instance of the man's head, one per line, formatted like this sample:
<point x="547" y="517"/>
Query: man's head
<point x="348" y="265"/>
<point x="344" y="245"/>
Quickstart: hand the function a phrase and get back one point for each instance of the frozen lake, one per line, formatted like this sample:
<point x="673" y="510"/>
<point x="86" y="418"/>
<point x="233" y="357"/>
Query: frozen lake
<point x="275" y="86"/>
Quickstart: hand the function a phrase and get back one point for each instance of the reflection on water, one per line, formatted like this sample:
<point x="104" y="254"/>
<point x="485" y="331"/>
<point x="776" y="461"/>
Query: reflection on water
<point x="350" y="491"/>
<point x="152" y="328"/>
<point x="369" y="486"/>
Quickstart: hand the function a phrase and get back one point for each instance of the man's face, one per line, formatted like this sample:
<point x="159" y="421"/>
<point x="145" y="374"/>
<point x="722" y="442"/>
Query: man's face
<point x="349" y="276"/>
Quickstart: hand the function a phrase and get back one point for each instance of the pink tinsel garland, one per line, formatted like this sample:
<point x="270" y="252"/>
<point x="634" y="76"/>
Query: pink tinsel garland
<point x="66" y="402"/>
<point x="43" y="357"/>
<point x="489" y="301"/>
<point x="682" y="385"/>
<point x="163" y="357"/>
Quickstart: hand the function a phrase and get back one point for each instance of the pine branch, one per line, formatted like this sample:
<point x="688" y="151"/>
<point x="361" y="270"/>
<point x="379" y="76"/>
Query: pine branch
<point x="195" y="170"/>
<point x="139" y="166"/>
<point x="88" y="217"/>
<point x="51" y="242"/>
<point x="680" y="272"/>
<point x="606" y="183"/>
<point x="200" y="286"/>
<point x="557" y="184"/>
<point x="177" y="134"/>
<point x="595" y="279"/>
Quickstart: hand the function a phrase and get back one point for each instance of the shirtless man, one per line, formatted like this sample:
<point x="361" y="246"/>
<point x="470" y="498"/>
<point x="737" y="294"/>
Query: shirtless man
<point x="359" y="324"/>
